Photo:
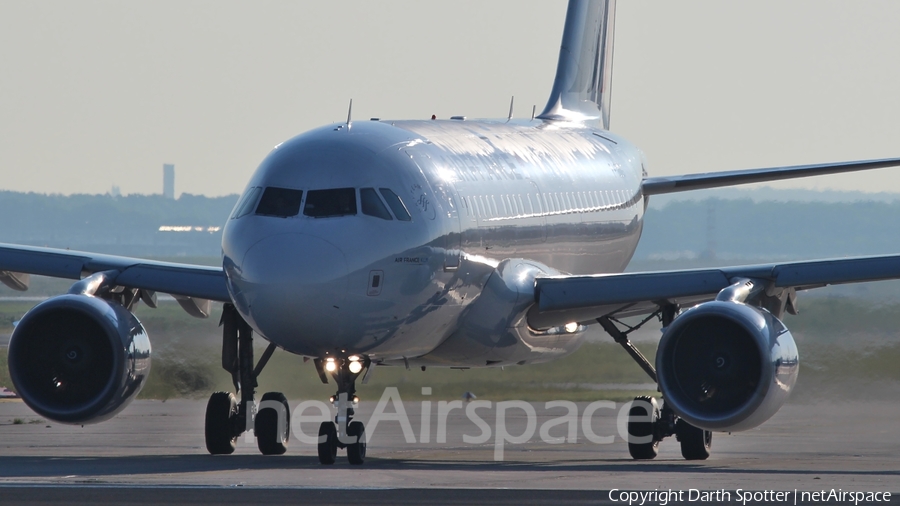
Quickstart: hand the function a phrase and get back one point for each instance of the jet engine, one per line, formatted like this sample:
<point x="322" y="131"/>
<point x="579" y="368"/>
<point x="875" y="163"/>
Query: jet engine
<point x="726" y="365"/>
<point x="79" y="359"/>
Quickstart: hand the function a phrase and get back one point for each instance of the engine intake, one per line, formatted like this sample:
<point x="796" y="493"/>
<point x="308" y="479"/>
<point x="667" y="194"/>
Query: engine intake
<point x="79" y="359"/>
<point x="725" y="365"/>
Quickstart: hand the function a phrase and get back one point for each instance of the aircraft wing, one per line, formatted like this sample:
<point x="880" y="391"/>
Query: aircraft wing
<point x="672" y="184"/>
<point x="564" y="299"/>
<point x="179" y="280"/>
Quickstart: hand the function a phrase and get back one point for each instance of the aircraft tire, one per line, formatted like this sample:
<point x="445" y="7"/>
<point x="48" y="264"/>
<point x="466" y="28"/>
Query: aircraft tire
<point x="643" y="428"/>
<point x="328" y="447"/>
<point x="356" y="452"/>
<point x="695" y="442"/>
<point x="219" y="430"/>
<point x="266" y="426"/>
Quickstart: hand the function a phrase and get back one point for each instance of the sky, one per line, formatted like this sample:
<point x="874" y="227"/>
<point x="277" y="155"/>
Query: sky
<point x="101" y="93"/>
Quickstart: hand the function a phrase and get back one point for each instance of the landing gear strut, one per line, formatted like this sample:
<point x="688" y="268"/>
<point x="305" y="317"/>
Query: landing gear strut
<point x="344" y="432"/>
<point x="227" y="417"/>
<point x="648" y="421"/>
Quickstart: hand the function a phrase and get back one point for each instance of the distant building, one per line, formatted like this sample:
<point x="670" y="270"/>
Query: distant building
<point x="115" y="192"/>
<point x="169" y="181"/>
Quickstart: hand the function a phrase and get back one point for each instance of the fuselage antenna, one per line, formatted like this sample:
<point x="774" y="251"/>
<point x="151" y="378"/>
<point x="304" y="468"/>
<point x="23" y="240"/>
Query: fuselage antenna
<point x="350" y="113"/>
<point x="511" y="102"/>
<point x="533" y="110"/>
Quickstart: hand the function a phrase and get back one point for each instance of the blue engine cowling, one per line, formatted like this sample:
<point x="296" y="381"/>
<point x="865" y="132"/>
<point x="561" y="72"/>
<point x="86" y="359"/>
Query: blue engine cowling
<point x="726" y="366"/>
<point x="78" y="359"/>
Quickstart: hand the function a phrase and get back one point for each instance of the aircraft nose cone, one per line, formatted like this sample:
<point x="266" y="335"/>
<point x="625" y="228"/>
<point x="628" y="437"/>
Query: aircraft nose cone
<point x="295" y="286"/>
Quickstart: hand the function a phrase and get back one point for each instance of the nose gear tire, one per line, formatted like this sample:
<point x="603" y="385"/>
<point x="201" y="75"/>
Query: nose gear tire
<point x="356" y="452"/>
<point x="328" y="445"/>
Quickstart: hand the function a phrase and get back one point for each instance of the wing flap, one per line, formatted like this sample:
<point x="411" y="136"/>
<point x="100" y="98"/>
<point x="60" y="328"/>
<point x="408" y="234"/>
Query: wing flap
<point x="195" y="281"/>
<point x="563" y="299"/>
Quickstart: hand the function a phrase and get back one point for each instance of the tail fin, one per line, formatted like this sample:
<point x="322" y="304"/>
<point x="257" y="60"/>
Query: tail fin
<point x="583" y="84"/>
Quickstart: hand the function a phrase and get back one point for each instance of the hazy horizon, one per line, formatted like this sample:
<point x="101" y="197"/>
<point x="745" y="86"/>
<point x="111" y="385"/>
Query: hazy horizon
<point x="101" y="93"/>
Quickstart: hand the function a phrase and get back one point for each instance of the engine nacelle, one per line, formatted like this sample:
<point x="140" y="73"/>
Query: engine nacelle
<point x="726" y="366"/>
<point x="78" y="359"/>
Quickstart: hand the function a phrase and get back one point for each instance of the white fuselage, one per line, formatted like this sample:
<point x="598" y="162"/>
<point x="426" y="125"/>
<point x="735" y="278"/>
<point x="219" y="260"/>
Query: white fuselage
<point x="492" y="204"/>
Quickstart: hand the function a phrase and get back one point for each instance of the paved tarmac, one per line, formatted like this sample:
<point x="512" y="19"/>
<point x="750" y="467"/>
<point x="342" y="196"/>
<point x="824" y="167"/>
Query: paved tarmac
<point x="154" y="452"/>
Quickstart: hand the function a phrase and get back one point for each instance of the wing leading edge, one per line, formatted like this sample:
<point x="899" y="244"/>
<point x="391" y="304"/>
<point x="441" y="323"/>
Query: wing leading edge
<point x="673" y="184"/>
<point x="563" y="299"/>
<point x="183" y="280"/>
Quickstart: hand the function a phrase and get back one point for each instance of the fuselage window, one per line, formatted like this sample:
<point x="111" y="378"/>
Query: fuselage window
<point x="396" y="204"/>
<point x="247" y="203"/>
<point x="328" y="203"/>
<point x="281" y="202"/>
<point x="372" y="205"/>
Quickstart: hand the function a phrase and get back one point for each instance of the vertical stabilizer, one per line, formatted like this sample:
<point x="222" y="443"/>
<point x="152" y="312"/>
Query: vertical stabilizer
<point x="583" y="85"/>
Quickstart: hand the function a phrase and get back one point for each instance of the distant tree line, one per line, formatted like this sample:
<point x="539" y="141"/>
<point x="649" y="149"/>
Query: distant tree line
<point x="119" y="225"/>
<point x="744" y="229"/>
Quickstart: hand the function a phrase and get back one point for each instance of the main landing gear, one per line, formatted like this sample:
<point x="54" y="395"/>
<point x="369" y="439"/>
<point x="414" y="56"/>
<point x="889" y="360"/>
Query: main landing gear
<point x="344" y="432"/>
<point x="227" y="417"/>
<point x="648" y="422"/>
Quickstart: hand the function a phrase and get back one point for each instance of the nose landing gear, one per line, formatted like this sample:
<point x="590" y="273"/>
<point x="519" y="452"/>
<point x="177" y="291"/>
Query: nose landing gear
<point x="344" y="432"/>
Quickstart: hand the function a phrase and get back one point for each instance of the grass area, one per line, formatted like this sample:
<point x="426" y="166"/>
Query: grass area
<point x="846" y="347"/>
<point x="5" y="381"/>
<point x="593" y="363"/>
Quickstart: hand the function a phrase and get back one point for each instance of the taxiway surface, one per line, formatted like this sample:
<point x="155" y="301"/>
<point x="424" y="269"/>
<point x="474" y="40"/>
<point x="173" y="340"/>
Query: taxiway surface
<point x="849" y="445"/>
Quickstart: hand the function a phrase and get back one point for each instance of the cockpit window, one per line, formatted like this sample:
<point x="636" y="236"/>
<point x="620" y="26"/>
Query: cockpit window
<point x="395" y="204"/>
<point x="247" y="203"/>
<point x="282" y="202"/>
<point x="324" y="203"/>
<point x="372" y="205"/>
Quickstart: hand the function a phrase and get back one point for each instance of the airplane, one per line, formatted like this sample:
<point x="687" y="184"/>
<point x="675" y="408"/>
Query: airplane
<point x="440" y="243"/>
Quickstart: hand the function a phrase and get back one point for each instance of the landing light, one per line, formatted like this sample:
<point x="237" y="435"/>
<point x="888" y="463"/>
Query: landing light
<point x="355" y="366"/>
<point x="571" y="327"/>
<point x="330" y="366"/>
